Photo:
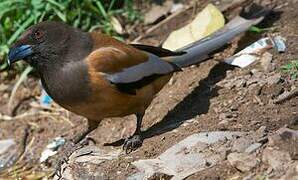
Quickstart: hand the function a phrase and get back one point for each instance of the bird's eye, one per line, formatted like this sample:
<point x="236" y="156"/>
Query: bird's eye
<point x="38" y="35"/>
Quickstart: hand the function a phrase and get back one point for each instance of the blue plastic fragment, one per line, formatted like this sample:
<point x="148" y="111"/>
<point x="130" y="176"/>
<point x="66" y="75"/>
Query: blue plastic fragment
<point x="45" y="99"/>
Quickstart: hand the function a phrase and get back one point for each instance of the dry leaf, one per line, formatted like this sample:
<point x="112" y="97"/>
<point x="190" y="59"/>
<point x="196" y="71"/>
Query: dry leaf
<point x="209" y="20"/>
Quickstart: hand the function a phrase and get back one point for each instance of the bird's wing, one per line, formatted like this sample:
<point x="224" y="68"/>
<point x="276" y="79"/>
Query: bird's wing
<point x="158" y="51"/>
<point x="128" y="68"/>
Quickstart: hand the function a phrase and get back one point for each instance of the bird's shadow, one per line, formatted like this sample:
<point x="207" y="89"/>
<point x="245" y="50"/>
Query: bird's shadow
<point x="194" y="104"/>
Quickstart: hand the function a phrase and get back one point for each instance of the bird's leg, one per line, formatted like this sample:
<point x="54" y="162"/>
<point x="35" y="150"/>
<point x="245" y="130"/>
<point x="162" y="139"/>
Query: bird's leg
<point x="74" y="144"/>
<point x="81" y="137"/>
<point x="135" y="141"/>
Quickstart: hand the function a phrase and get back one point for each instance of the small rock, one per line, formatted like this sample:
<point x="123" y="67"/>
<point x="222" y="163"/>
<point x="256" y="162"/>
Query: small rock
<point x="216" y="110"/>
<point x="256" y="73"/>
<point x="252" y="148"/>
<point x="235" y="107"/>
<point x="278" y="160"/>
<point x="223" y="122"/>
<point x="286" y="140"/>
<point x="274" y="79"/>
<point x="261" y="132"/>
<point x="294" y="123"/>
<point x="234" y="115"/>
<point x="241" y="144"/>
<point x="266" y="62"/>
<point x="249" y="177"/>
<point x="240" y="83"/>
<point x="224" y="116"/>
<point x="253" y="81"/>
<point x="292" y="172"/>
<point x="160" y="176"/>
<point x="243" y="161"/>
<point x="263" y="140"/>
<point x="229" y="73"/>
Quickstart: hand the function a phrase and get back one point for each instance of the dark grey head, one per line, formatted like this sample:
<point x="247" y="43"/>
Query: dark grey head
<point x="48" y="43"/>
<point x="52" y="48"/>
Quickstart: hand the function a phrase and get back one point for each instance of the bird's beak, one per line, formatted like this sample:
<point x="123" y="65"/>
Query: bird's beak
<point x="19" y="52"/>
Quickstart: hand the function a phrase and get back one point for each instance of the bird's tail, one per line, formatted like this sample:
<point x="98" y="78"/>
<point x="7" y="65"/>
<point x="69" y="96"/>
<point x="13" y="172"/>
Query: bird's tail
<point x="199" y="51"/>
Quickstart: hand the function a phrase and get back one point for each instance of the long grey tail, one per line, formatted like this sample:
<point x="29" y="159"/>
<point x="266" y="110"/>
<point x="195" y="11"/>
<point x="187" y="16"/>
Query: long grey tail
<point x="199" y="51"/>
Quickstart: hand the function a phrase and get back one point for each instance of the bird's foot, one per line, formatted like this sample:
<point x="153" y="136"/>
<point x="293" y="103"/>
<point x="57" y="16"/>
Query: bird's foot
<point x="67" y="150"/>
<point x="132" y="143"/>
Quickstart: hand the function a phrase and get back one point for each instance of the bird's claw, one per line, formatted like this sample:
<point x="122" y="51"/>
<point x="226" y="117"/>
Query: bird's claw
<point x="132" y="143"/>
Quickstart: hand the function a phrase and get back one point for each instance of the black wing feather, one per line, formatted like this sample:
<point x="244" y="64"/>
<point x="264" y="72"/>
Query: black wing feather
<point x="158" y="51"/>
<point x="138" y="76"/>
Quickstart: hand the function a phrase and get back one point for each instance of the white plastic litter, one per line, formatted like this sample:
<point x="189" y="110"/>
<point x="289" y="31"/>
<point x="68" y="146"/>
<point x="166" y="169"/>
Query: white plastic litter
<point x="52" y="148"/>
<point x="251" y="53"/>
<point x="279" y="43"/>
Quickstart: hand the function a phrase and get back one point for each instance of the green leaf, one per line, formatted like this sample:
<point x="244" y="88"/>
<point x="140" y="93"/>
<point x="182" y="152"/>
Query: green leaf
<point x="56" y="4"/>
<point x="111" y="5"/>
<point x="101" y="9"/>
<point x="60" y="14"/>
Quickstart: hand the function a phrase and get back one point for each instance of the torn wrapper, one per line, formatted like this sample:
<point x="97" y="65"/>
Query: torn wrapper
<point x="251" y="53"/>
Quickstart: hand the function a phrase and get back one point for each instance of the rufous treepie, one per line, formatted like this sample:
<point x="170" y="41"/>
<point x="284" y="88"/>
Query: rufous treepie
<point x="97" y="76"/>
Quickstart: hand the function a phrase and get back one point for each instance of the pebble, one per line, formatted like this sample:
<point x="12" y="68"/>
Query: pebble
<point x="266" y="62"/>
<point x="274" y="79"/>
<point x="243" y="161"/>
<point x="278" y="160"/>
<point x="241" y="144"/>
<point x="252" y="148"/>
<point x="223" y="122"/>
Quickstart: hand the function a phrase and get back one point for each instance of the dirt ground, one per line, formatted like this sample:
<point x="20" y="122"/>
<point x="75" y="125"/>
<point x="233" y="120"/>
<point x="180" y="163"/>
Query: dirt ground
<point x="202" y="98"/>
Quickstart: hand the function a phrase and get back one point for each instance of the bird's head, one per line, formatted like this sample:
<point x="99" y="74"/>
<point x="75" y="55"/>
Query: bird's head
<point x="43" y="43"/>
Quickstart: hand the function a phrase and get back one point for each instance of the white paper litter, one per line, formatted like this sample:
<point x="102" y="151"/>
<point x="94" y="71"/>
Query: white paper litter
<point x="252" y="52"/>
<point x="190" y="155"/>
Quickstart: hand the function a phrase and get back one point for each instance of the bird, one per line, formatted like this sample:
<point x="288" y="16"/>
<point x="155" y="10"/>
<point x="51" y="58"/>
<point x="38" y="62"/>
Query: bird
<point x="98" y="77"/>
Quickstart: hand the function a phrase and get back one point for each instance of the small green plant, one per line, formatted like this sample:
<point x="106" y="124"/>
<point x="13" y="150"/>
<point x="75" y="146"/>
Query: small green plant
<point x="88" y="15"/>
<point x="291" y="69"/>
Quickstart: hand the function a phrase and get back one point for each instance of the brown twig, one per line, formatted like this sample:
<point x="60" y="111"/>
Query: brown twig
<point x="26" y="115"/>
